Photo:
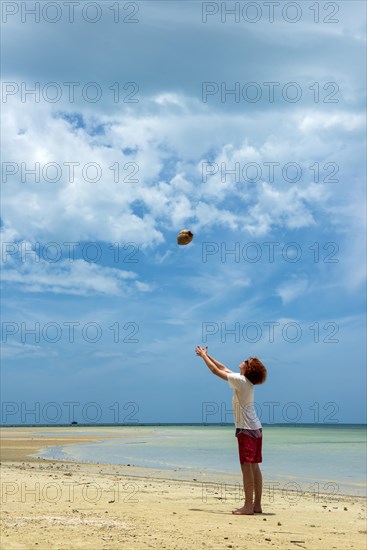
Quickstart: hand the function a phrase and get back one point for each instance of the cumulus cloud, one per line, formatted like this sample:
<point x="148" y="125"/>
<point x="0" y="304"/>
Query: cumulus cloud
<point x="77" y="277"/>
<point x="123" y="183"/>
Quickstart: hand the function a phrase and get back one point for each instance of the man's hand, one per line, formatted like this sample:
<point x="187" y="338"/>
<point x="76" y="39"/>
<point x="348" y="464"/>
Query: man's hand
<point x="201" y="352"/>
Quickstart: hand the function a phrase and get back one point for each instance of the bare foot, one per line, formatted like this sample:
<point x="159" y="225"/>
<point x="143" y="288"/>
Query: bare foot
<point x="244" y="511"/>
<point x="257" y="509"/>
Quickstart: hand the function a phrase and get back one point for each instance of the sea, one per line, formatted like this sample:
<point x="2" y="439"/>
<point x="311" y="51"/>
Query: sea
<point x="331" y="458"/>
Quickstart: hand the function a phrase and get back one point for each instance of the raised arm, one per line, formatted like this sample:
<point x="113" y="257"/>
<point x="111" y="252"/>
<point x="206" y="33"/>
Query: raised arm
<point x="209" y="363"/>
<point x="218" y="364"/>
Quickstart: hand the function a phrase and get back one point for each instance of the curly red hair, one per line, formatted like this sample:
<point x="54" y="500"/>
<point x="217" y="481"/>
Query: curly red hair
<point x="255" y="371"/>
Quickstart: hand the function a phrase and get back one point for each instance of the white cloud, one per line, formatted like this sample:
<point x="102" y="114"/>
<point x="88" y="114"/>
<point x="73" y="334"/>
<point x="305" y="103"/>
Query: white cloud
<point x="283" y="208"/>
<point x="77" y="277"/>
<point x="292" y="289"/>
<point x="165" y="151"/>
<point x="345" y="121"/>
<point x="218" y="284"/>
<point x="17" y="350"/>
<point x="169" y="99"/>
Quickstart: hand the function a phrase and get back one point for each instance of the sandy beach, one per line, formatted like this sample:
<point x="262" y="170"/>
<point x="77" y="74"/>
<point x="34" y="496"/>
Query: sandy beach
<point x="66" y="505"/>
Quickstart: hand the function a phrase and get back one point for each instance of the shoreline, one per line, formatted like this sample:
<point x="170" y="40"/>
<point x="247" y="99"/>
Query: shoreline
<point x="49" y="505"/>
<point x="20" y="446"/>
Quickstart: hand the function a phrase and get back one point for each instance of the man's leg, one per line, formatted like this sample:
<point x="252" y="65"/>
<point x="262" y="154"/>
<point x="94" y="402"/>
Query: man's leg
<point x="248" y="488"/>
<point x="258" y="482"/>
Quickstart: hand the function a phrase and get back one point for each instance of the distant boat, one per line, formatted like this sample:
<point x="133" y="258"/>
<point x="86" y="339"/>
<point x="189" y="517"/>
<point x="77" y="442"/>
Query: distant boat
<point x="74" y="423"/>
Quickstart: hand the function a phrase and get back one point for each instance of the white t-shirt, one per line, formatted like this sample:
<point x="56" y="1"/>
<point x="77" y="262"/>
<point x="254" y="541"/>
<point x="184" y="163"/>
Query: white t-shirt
<point x="243" y="402"/>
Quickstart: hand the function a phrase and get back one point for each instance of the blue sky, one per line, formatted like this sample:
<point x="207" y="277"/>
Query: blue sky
<point x="279" y="181"/>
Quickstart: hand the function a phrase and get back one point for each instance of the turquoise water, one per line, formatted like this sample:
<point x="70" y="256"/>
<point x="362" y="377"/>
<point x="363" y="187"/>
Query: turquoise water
<point x="308" y="454"/>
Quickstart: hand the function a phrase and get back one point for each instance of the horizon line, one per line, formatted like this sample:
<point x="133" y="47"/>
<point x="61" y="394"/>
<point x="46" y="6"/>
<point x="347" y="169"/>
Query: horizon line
<point x="70" y="424"/>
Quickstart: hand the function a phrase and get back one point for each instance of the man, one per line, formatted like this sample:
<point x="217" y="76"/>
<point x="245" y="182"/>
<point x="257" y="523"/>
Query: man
<point x="248" y="425"/>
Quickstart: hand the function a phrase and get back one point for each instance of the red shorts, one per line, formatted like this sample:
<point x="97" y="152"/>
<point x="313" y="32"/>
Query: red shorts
<point x="249" y="447"/>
